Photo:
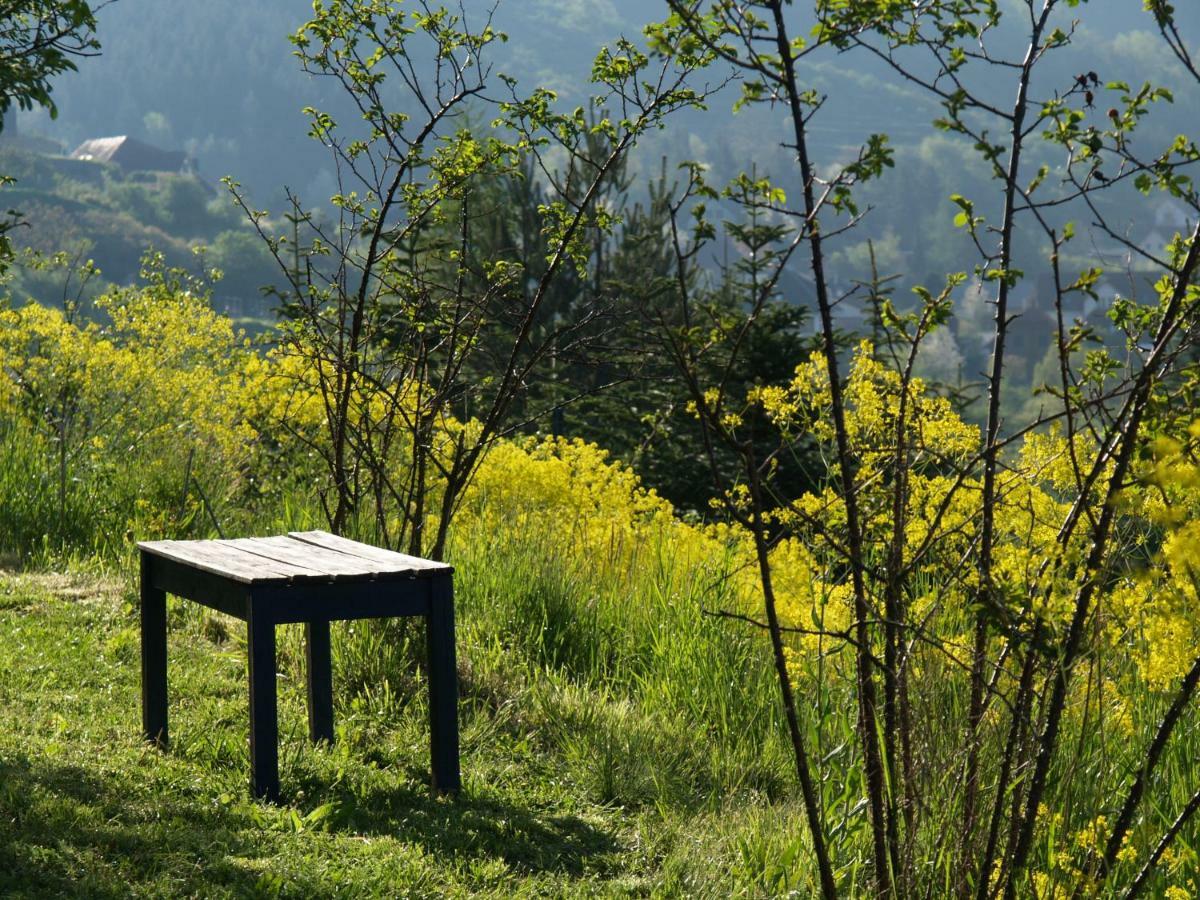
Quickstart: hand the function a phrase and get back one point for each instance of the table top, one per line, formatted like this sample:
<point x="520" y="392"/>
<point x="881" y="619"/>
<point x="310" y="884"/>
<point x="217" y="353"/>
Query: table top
<point x="299" y="556"/>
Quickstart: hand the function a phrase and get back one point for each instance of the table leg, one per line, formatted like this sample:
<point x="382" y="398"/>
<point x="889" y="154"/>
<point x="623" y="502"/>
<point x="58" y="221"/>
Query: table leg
<point x="264" y="724"/>
<point x="320" y="682"/>
<point x="443" y="687"/>
<point x="154" y="659"/>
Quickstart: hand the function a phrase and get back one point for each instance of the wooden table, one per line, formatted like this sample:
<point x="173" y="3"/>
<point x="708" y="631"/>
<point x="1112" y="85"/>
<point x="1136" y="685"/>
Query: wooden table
<point x="311" y="577"/>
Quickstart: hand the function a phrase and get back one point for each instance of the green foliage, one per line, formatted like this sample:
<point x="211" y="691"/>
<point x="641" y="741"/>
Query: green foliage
<point x="40" y="39"/>
<point x="403" y="324"/>
<point x="90" y="211"/>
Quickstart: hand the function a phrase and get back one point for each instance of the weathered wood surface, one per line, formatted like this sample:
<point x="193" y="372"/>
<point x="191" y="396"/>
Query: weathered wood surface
<point x="297" y="557"/>
<point x="308" y="557"/>
<point x="227" y="562"/>
<point x="401" y="561"/>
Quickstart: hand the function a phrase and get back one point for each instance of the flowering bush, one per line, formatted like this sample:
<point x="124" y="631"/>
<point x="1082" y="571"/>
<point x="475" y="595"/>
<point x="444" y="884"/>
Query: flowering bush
<point x="128" y="414"/>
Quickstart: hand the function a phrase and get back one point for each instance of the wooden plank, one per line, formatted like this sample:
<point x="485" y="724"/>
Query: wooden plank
<point x="301" y="601"/>
<point x="322" y="562"/>
<point x="218" y="592"/>
<point x="392" y="561"/>
<point x="228" y="562"/>
<point x="300" y="556"/>
<point x="192" y="553"/>
<point x="396" y="563"/>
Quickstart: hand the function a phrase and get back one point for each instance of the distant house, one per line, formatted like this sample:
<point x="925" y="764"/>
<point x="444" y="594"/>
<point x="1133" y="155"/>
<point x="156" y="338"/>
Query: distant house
<point x="132" y="155"/>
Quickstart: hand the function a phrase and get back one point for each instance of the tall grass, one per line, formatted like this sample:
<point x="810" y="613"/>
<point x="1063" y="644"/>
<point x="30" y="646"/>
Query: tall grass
<point x="688" y="712"/>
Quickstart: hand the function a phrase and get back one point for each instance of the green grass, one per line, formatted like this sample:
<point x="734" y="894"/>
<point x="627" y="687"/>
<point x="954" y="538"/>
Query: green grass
<point x="571" y="786"/>
<point x="616" y="743"/>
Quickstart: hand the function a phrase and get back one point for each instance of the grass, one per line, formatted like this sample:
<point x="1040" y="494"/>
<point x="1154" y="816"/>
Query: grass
<point x="617" y="742"/>
<point x="571" y="786"/>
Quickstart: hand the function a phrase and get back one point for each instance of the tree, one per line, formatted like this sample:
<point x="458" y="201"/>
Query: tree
<point x="422" y="354"/>
<point x="39" y="39"/>
<point x="917" y="544"/>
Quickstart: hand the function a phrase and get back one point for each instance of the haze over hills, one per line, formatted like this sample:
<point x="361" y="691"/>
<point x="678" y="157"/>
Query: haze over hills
<point x="823" y="523"/>
<point x="218" y="80"/>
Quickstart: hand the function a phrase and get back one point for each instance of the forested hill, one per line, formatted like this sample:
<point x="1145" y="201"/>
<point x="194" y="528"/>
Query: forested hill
<point x="218" y="78"/>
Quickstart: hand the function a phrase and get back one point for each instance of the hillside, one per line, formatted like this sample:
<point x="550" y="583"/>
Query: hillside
<point x="218" y="79"/>
<point x="551" y="808"/>
<point x="816" y="518"/>
<point x="92" y="210"/>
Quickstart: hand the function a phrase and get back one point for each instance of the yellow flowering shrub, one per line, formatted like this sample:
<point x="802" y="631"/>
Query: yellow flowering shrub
<point x="574" y="493"/>
<point x="941" y="452"/>
<point x="571" y="492"/>
<point x="1155" y="610"/>
<point x="872" y="399"/>
<point x="1149" y="613"/>
<point x="128" y="408"/>
<point x="573" y="479"/>
<point x="164" y="388"/>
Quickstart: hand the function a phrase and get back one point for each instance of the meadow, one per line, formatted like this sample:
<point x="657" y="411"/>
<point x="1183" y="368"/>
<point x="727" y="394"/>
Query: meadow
<point x="616" y="741"/>
<point x="622" y="729"/>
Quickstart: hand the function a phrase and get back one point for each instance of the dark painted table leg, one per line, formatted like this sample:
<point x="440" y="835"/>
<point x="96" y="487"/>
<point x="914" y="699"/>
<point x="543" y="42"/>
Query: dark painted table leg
<point x="443" y="687"/>
<point x="264" y="724"/>
<point x="320" y="682"/>
<point x="154" y="659"/>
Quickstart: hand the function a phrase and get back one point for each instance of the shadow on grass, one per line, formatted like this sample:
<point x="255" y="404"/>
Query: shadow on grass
<point x="67" y="831"/>
<point x="527" y="839"/>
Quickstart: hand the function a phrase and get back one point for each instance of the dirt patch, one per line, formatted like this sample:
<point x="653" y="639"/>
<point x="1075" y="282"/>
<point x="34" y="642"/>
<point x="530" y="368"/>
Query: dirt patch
<point x="80" y="587"/>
